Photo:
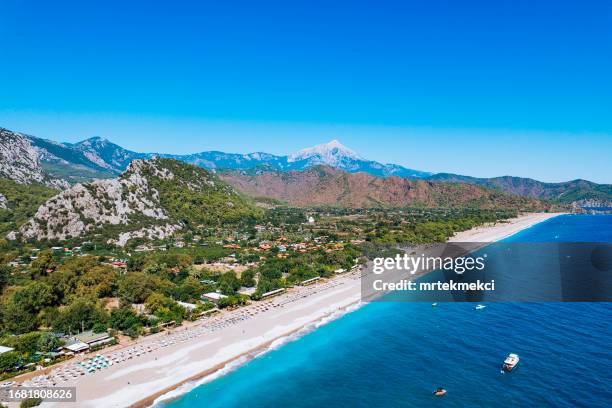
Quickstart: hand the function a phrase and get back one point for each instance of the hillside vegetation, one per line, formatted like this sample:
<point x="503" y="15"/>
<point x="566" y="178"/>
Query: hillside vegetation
<point x="20" y="202"/>
<point x="196" y="196"/>
<point x="153" y="199"/>
<point x="322" y="185"/>
<point x="580" y="191"/>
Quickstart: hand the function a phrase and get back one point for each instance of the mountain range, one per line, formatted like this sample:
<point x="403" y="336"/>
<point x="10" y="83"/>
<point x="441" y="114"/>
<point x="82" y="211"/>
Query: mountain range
<point x="26" y="158"/>
<point x="328" y="186"/>
<point x="99" y="158"/>
<point x="155" y="198"/>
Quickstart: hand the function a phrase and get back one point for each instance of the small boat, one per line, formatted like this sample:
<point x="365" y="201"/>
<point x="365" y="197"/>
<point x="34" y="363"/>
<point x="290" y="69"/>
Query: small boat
<point x="479" y="307"/>
<point x="439" y="392"/>
<point x="511" y="362"/>
<point x="434" y="305"/>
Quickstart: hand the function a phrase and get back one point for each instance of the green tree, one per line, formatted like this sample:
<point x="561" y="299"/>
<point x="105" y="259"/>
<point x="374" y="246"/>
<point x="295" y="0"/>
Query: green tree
<point x="228" y="283"/>
<point x="48" y="342"/>
<point x="16" y="320"/>
<point x="42" y="263"/>
<point x="134" y="331"/>
<point x="21" y="308"/>
<point x="99" y="328"/>
<point x="136" y="287"/>
<point x="123" y="318"/>
<point x="164" y="308"/>
<point x="97" y="282"/>
<point x="135" y="263"/>
<point x="5" y="274"/>
<point x="79" y="315"/>
<point x="9" y="360"/>
<point x="247" y="278"/>
<point x="31" y="402"/>
<point x="33" y="297"/>
<point x="189" y="289"/>
<point x="26" y="343"/>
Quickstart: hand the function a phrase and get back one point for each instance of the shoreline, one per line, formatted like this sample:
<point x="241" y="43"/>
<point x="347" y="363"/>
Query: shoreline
<point x="502" y="230"/>
<point x="251" y="355"/>
<point x="210" y="345"/>
<point x="217" y="343"/>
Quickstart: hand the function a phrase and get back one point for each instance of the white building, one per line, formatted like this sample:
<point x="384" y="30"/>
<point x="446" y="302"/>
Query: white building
<point x="247" y="291"/>
<point x="5" y="349"/>
<point x="188" y="306"/>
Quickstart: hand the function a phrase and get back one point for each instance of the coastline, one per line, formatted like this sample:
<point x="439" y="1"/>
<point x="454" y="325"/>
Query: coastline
<point x="502" y="230"/>
<point x="142" y="380"/>
<point x="245" y="357"/>
<point x="253" y="329"/>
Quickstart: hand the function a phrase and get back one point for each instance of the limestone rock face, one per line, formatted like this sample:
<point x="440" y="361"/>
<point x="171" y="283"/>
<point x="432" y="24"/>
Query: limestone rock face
<point x="19" y="161"/>
<point x="152" y="199"/>
<point x="86" y="207"/>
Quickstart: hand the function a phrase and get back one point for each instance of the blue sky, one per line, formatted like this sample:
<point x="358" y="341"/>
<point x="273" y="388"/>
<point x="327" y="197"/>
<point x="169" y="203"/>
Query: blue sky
<point x="478" y="88"/>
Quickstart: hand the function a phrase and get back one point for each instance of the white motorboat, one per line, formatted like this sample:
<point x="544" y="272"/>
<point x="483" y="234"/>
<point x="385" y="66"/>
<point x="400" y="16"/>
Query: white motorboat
<point x="511" y="362"/>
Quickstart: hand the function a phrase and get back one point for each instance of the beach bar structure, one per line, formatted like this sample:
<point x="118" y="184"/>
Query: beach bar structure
<point x="209" y="312"/>
<point x="273" y="293"/>
<point x="77" y="347"/>
<point x="86" y="340"/>
<point x="311" y="281"/>
<point x="94" y="339"/>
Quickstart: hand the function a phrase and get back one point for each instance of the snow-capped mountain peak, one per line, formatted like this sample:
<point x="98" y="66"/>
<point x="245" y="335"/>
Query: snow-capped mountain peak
<point x="94" y="141"/>
<point x="332" y="154"/>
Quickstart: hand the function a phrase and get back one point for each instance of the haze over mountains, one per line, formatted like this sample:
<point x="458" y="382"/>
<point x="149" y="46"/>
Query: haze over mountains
<point x="59" y="164"/>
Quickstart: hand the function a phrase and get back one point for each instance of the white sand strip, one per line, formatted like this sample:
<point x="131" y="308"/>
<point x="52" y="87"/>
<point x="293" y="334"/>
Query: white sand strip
<point x="501" y="230"/>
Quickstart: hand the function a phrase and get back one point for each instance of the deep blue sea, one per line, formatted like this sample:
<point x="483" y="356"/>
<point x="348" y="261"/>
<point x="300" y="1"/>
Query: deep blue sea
<point x="395" y="354"/>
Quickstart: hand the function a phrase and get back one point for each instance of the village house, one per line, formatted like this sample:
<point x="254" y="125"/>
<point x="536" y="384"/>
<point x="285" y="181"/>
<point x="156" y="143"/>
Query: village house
<point x="188" y="306"/>
<point x="143" y="248"/>
<point x="231" y="246"/>
<point x="213" y="297"/>
<point x="247" y="291"/>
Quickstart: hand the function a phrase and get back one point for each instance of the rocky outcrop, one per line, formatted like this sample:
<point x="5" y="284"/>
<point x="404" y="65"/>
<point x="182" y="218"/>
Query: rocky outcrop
<point x="152" y="199"/>
<point x="19" y="161"/>
<point x="86" y="207"/>
<point x="156" y="232"/>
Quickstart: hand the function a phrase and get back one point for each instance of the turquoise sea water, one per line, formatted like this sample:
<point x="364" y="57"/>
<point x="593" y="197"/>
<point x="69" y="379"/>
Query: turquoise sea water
<point x="394" y="354"/>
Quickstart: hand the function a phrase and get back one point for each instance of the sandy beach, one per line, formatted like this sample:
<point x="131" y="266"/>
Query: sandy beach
<point x="140" y="373"/>
<point x="501" y="230"/>
<point x="165" y="361"/>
